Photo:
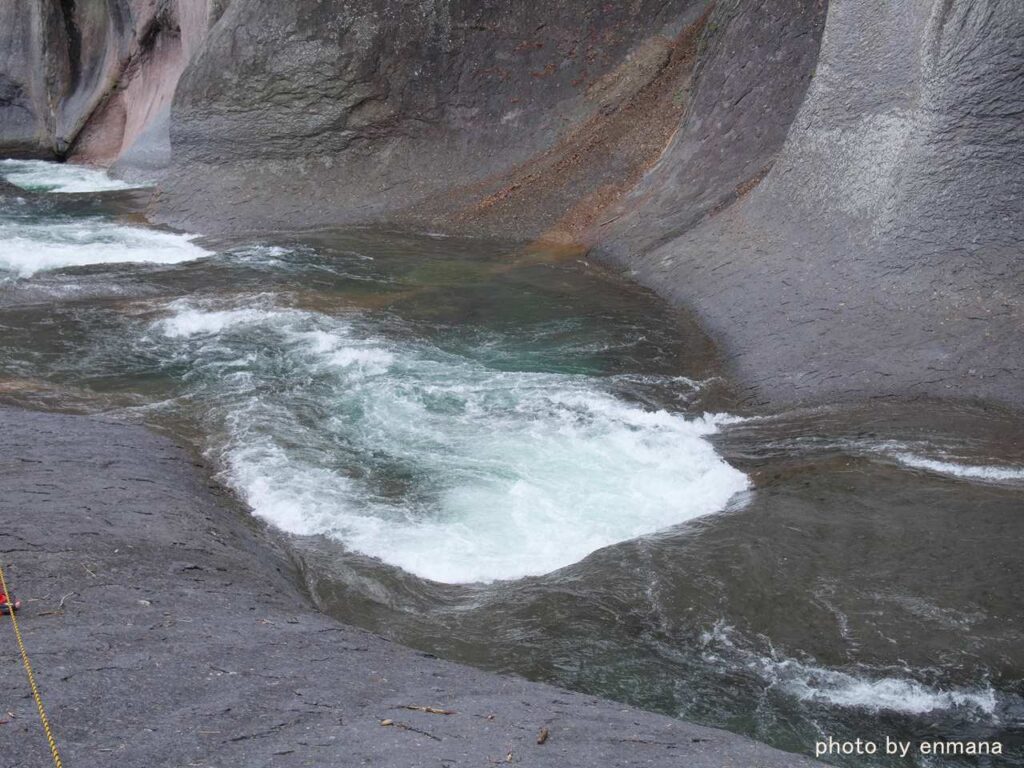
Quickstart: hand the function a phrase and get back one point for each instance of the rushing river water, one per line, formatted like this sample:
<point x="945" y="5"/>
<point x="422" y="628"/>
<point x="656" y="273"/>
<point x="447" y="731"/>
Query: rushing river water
<point x="508" y="456"/>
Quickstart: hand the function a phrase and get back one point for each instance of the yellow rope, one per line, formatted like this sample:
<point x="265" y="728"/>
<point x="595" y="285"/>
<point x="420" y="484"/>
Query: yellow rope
<point x="28" y="671"/>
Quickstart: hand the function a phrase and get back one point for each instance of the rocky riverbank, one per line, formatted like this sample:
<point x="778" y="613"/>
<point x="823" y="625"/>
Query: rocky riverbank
<point x="167" y="628"/>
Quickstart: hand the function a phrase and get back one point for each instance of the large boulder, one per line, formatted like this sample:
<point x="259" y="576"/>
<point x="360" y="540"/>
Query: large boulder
<point x="319" y="112"/>
<point x="881" y="253"/>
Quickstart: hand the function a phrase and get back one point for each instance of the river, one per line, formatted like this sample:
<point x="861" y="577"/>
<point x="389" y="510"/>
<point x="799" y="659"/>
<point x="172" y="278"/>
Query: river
<point x="505" y="454"/>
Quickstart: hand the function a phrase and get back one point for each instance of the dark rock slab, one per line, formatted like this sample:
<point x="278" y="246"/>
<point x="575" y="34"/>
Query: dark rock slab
<point x="166" y="629"/>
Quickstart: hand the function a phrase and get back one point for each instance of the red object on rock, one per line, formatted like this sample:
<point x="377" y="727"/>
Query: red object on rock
<point x="4" y="607"/>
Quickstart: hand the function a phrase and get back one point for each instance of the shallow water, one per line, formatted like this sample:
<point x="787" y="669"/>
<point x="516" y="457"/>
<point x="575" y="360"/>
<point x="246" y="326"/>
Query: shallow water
<point x="508" y="456"/>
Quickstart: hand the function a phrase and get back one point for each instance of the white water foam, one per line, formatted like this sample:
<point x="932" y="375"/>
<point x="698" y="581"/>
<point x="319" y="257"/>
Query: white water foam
<point x="27" y="248"/>
<point x="868" y="691"/>
<point x="186" y="322"/>
<point x="841" y="689"/>
<point x="990" y="472"/>
<point x="44" y="176"/>
<point x="432" y="462"/>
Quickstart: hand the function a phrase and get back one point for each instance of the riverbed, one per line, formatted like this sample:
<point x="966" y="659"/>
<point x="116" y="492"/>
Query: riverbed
<point x="504" y="454"/>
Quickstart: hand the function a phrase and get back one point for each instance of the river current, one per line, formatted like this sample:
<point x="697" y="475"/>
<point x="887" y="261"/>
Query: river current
<point x="504" y="454"/>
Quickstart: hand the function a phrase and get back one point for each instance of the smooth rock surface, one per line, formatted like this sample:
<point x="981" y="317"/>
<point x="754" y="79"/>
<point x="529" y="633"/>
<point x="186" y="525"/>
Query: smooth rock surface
<point x="316" y="113"/>
<point x="880" y="256"/>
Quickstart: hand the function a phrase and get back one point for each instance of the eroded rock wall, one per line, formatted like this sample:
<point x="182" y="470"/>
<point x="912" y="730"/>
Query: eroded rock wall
<point x="754" y="66"/>
<point x="311" y="113"/>
<point x="92" y="80"/>
<point x="881" y="253"/>
<point x="29" y="70"/>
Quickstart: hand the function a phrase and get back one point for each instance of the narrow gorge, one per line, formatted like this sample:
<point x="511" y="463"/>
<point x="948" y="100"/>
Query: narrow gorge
<point x="667" y="353"/>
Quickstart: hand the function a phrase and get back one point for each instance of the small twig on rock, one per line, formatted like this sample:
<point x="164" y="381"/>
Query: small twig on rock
<point x="428" y="710"/>
<point x="407" y="727"/>
<point x="648" y="741"/>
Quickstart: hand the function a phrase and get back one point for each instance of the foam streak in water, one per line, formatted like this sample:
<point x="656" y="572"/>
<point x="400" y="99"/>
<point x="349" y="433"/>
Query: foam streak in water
<point x="866" y="691"/>
<point x="43" y="176"/>
<point x="956" y="469"/>
<point x="841" y="689"/>
<point x="27" y="248"/>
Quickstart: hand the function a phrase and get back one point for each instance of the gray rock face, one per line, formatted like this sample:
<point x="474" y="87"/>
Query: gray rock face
<point x="166" y="629"/>
<point x="519" y="120"/>
<point x="26" y="95"/>
<point x="86" y="79"/>
<point x="881" y="253"/>
<point x="756" y="62"/>
<point x="299" y="114"/>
